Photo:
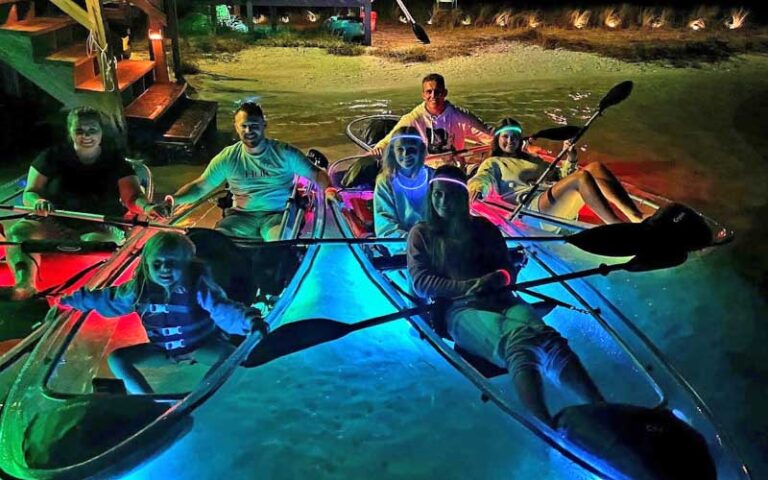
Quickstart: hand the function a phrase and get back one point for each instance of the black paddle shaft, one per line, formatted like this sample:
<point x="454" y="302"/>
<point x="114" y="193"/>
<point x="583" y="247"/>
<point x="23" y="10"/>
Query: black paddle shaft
<point x="616" y="95"/>
<point x="296" y="336"/>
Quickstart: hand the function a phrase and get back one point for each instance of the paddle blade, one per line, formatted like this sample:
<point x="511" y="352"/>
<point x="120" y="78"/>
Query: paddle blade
<point x="616" y="95"/>
<point x="619" y="240"/>
<point x="658" y="261"/>
<point x="294" y="337"/>
<point x="420" y="33"/>
<point x="672" y="230"/>
<point x="558" y="133"/>
<point x="680" y="228"/>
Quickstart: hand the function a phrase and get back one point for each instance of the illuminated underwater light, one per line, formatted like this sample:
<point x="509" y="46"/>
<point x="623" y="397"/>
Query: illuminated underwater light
<point x="261" y="19"/>
<point x="580" y="18"/>
<point x="402" y="19"/>
<point x="533" y="20"/>
<point x="737" y="18"/>
<point x="612" y="20"/>
<point x="502" y="19"/>
<point x="311" y="16"/>
<point x="285" y="18"/>
<point x="467" y="20"/>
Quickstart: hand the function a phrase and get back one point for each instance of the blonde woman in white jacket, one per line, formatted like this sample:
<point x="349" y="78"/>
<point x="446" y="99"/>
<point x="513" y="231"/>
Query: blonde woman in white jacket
<point x="510" y="172"/>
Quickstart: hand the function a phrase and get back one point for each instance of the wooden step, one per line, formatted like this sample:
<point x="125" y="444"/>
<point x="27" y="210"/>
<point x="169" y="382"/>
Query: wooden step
<point x="155" y="101"/>
<point x="128" y="72"/>
<point x="190" y="125"/>
<point x="83" y="65"/>
<point x="39" y="25"/>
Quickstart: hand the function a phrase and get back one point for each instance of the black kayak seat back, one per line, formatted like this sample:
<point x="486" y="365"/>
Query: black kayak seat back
<point x="377" y="129"/>
<point x="144" y="174"/>
<point x="362" y="173"/>
<point x="391" y="262"/>
<point x="229" y="265"/>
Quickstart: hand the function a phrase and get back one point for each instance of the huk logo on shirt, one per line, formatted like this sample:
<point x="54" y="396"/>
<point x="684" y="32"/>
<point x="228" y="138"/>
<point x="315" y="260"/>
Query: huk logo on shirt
<point x="255" y="173"/>
<point x="438" y="140"/>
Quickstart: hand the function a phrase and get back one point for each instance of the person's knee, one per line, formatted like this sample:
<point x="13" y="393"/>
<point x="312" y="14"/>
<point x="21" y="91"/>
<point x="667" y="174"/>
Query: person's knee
<point x="116" y="360"/>
<point x="582" y="176"/>
<point x="271" y="233"/>
<point x="594" y="167"/>
<point x="22" y="230"/>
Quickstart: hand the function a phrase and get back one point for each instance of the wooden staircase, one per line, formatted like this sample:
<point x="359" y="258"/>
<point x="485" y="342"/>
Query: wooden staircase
<point x="51" y="51"/>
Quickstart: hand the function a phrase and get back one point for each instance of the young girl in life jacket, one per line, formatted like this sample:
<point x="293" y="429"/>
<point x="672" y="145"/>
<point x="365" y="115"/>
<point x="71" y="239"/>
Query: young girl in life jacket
<point x="180" y="307"/>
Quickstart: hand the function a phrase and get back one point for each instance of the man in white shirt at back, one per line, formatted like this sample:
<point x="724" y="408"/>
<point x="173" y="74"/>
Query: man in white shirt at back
<point x="443" y="126"/>
<point x="259" y="172"/>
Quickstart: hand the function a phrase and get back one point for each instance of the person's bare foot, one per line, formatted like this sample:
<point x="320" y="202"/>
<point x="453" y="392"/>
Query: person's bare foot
<point x="21" y="293"/>
<point x="17" y="293"/>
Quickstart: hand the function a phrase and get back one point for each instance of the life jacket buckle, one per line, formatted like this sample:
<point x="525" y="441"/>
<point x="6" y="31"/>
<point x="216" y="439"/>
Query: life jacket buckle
<point x="168" y="331"/>
<point x="174" y="345"/>
<point x="157" y="308"/>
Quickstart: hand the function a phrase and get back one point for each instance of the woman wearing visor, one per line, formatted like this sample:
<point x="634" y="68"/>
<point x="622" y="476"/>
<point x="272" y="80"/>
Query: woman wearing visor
<point x="510" y="172"/>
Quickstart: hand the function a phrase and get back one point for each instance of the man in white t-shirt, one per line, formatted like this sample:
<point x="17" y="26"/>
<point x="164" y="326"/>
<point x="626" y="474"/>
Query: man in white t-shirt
<point x="260" y="173"/>
<point x="443" y="126"/>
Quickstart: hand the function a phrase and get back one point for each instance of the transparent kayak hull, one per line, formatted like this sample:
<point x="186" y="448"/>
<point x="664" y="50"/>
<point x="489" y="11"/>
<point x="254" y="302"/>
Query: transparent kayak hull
<point x="605" y="340"/>
<point x="65" y="394"/>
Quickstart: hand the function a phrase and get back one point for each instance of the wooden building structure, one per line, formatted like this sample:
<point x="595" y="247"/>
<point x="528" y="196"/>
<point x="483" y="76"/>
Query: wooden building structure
<point x="76" y="55"/>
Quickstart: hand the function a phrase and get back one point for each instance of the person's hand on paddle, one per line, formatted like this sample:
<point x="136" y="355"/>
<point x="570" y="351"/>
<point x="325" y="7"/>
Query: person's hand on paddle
<point x="490" y="282"/>
<point x="332" y="194"/>
<point x="475" y="192"/>
<point x="376" y="152"/>
<point x="257" y="321"/>
<point x="42" y="207"/>
<point x="158" y="211"/>
<point x="570" y="162"/>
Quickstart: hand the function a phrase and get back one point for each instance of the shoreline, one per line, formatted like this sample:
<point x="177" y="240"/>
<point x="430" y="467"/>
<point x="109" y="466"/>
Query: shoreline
<point x="311" y="67"/>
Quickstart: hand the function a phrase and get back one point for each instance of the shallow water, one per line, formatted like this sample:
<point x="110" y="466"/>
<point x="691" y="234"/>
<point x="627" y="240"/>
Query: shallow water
<point x="382" y="404"/>
<point x="367" y="404"/>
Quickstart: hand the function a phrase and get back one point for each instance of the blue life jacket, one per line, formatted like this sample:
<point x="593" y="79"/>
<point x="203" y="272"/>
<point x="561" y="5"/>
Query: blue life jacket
<point x="177" y="325"/>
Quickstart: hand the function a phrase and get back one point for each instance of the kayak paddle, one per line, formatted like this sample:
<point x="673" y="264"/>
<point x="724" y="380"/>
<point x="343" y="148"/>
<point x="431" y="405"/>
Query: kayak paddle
<point x="679" y="231"/>
<point x="92" y="217"/>
<point x="672" y="227"/>
<point x="615" y="95"/>
<point x="418" y="30"/>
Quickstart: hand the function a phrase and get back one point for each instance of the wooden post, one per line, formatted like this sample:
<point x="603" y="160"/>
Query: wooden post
<point x="156" y="43"/>
<point x="173" y="30"/>
<point x="108" y="68"/>
<point x="273" y="17"/>
<point x="249" y="14"/>
<point x="367" y="22"/>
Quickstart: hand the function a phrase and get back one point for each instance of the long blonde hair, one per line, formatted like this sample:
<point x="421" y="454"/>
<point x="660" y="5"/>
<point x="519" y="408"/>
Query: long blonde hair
<point x="163" y="242"/>
<point x="390" y="166"/>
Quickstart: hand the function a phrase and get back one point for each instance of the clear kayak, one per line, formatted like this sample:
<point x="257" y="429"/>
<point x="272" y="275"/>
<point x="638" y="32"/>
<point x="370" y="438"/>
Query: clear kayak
<point x="64" y="267"/>
<point x="66" y="416"/>
<point x="367" y="131"/>
<point x="627" y="367"/>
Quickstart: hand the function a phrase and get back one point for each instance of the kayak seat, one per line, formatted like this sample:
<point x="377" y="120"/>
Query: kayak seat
<point x="358" y="227"/>
<point x="364" y="210"/>
<point x="144" y="175"/>
<point x="483" y="366"/>
<point x="230" y="266"/>
<point x="360" y="217"/>
<point x="377" y="129"/>
<point x="392" y="262"/>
